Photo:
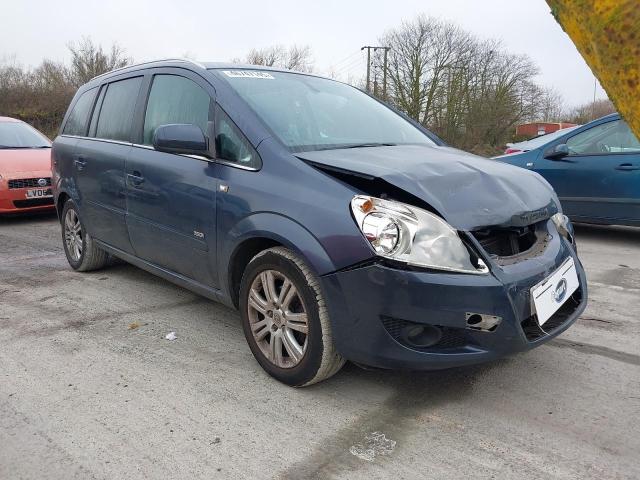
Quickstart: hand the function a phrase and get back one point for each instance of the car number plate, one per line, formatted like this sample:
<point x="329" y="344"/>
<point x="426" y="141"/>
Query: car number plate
<point x="39" y="193"/>
<point x="549" y="295"/>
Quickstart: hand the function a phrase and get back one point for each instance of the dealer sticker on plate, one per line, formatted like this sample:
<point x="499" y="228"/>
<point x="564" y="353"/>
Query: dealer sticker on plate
<point x="549" y="295"/>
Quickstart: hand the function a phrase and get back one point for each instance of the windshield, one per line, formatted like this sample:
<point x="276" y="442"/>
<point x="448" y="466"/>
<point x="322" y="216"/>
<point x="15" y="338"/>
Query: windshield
<point x="310" y="113"/>
<point x="544" y="139"/>
<point x="21" y="135"/>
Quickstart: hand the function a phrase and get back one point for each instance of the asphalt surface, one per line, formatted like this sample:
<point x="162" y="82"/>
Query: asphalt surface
<point x="89" y="387"/>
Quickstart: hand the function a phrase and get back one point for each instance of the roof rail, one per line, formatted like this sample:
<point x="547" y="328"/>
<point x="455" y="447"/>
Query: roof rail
<point x="186" y="60"/>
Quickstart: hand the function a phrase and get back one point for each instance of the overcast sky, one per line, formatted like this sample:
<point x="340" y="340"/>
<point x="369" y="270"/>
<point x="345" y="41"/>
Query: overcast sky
<point x="212" y="30"/>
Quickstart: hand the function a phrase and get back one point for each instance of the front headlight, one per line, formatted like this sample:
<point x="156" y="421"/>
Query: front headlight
<point x="412" y="235"/>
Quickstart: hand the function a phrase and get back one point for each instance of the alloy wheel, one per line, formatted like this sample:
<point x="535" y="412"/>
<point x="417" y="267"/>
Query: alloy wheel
<point x="278" y="318"/>
<point x="73" y="234"/>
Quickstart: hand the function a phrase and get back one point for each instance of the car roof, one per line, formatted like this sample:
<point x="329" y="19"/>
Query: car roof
<point x="9" y="119"/>
<point x="606" y="117"/>
<point x="182" y="62"/>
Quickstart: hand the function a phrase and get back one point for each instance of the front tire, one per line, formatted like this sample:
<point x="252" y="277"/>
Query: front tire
<point x="81" y="250"/>
<point x="285" y="319"/>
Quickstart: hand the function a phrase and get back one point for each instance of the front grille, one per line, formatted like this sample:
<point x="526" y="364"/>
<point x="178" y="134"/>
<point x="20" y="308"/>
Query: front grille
<point x="451" y="337"/>
<point x="33" y="202"/>
<point x="533" y="331"/>
<point x="29" y="183"/>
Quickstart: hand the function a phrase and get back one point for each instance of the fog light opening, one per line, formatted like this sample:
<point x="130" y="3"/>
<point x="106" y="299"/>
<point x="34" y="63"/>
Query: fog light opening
<point x="421" y="336"/>
<point x="474" y="319"/>
<point x="482" y="322"/>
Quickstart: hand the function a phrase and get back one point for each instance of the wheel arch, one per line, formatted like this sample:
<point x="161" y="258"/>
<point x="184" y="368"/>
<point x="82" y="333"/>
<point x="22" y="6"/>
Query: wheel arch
<point x="266" y="230"/>
<point x="60" y="201"/>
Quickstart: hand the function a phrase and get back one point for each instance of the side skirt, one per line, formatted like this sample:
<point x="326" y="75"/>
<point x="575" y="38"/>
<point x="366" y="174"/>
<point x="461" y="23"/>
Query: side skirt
<point x="173" y="277"/>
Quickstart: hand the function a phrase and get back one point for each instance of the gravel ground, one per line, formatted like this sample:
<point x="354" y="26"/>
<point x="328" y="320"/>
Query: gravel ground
<point x="89" y="387"/>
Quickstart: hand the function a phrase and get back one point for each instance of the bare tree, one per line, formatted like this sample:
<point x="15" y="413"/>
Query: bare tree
<point x="551" y="107"/>
<point x="292" y="58"/>
<point x="470" y="92"/>
<point x="590" y="111"/>
<point x="40" y="96"/>
<point x="89" y="60"/>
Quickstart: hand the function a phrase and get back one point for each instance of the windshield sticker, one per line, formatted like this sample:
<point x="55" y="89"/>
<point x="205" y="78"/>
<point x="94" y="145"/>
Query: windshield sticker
<point x="247" y="74"/>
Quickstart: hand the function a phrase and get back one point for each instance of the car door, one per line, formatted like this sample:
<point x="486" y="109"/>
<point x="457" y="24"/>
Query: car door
<point x="63" y="154"/>
<point x="599" y="180"/>
<point x="171" y="209"/>
<point x="99" y="161"/>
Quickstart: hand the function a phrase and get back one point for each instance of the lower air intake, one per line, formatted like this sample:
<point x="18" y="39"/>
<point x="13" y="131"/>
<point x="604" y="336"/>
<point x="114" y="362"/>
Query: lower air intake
<point x="423" y="337"/>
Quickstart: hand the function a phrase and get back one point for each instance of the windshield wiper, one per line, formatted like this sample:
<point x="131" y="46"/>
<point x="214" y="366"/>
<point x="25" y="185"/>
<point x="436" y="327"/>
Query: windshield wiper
<point x="354" y="145"/>
<point x="365" y="145"/>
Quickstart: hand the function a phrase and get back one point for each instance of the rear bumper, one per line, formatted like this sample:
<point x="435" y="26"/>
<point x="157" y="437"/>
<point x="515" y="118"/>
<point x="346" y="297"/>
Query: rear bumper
<point x="368" y="306"/>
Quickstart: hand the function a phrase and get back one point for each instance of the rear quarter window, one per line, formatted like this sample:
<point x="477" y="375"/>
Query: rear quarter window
<point x="77" y="121"/>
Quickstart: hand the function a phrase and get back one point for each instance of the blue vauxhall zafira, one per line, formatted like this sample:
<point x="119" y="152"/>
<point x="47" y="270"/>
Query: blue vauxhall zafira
<point x="340" y="228"/>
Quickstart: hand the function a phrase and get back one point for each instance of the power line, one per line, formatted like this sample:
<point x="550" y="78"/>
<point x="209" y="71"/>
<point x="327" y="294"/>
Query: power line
<point x="358" y="62"/>
<point x="349" y="57"/>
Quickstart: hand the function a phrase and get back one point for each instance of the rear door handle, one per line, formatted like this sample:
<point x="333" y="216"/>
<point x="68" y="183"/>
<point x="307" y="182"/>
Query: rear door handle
<point x="627" y="167"/>
<point x="135" y="178"/>
<point x="80" y="161"/>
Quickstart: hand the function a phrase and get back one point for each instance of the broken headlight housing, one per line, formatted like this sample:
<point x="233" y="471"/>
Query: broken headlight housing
<point x="563" y="225"/>
<point x="408" y="234"/>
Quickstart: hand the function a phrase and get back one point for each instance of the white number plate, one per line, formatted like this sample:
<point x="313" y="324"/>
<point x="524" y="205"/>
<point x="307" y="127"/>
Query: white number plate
<point x="39" y="193"/>
<point x="549" y="295"/>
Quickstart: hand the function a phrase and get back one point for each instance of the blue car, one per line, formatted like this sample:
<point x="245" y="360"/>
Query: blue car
<point x="594" y="169"/>
<point x="340" y="229"/>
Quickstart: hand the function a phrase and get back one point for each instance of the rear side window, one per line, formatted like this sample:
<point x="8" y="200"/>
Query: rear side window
<point x="231" y="144"/>
<point x="77" y="121"/>
<point x="175" y="99"/>
<point x="116" y="112"/>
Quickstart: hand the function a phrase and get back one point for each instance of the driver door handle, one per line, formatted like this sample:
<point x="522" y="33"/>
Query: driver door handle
<point x="627" y="167"/>
<point x="135" y="178"/>
<point x="80" y="161"/>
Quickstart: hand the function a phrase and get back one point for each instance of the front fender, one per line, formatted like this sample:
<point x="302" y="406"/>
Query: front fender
<point x="280" y="229"/>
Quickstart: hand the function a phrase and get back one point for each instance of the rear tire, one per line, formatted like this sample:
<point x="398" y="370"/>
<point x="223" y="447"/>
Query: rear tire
<point x="285" y="319"/>
<point x="83" y="254"/>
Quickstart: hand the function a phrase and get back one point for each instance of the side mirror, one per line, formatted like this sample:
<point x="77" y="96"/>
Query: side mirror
<point x="559" y="151"/>
<point x="181" y="138"/>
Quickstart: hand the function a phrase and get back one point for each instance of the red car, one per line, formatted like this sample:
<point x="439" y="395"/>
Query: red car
<point x="25" y="168"/>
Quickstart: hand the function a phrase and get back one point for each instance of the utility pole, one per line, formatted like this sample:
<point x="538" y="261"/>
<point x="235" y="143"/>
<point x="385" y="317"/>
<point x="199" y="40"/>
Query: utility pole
<point x="384" y="73"/>
<point x="368" y="66"/>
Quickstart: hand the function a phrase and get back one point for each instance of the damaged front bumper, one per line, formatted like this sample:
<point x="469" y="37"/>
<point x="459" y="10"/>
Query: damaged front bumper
<point x="373" y="306"/>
